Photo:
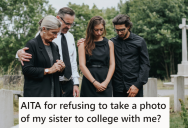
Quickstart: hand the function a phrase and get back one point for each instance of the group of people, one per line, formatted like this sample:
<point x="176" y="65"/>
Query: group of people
<point x="118" y="67"/>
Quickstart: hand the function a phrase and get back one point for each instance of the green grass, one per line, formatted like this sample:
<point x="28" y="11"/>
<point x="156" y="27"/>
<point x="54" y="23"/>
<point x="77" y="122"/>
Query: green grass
<point x="16" y="105"/>
<point x="172" y="101"/>
<point x="16" y="121"/>
<point x="175" y="118"/>
<point x="176" y="121"/>
<point x="160" y="85"/>
<point x="1" y="85"/>
<point x="16" y="110"/>
<point x="11" y="71"/>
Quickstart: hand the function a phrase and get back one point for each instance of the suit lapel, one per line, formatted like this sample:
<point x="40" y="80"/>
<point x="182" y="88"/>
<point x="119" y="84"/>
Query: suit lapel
<point x="54" y="52"/>
<point x="43" y="51"/>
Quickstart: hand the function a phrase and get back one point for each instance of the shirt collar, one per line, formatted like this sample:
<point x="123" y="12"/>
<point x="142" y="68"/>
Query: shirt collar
<point x="131" y="36"/>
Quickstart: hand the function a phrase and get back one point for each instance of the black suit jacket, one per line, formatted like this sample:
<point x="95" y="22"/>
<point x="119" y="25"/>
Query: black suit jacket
<point x="37" y="84"/>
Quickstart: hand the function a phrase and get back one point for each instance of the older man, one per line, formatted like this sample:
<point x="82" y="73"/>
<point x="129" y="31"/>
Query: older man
<point x="65" y="41"/>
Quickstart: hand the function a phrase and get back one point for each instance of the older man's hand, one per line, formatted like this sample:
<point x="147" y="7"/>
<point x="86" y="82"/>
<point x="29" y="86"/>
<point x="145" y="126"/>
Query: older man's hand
<point x="80" y="41"/>
<point x="23" y="56"/>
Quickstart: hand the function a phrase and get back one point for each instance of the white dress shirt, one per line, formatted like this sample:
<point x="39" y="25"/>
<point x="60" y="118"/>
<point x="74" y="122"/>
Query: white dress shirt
<point x="72" y="55"/>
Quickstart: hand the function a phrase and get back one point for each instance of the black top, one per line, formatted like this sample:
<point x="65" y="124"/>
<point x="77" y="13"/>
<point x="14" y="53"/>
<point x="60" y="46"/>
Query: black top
<point x="37" y="84"/>
<point x="100" y="55"/>
<point x="97" y="64"/>
<point x="132" y="62"/>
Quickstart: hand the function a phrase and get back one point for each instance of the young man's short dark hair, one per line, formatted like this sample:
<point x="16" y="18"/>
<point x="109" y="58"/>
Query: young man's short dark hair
<point x="122" y="19"/>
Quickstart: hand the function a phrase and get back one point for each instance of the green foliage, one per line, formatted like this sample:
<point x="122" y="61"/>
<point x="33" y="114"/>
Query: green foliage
<point x="84" y="14"/>
<point x="184" y="113"/>
<point x="157" y="22"/>
<point x="19" y="19"/>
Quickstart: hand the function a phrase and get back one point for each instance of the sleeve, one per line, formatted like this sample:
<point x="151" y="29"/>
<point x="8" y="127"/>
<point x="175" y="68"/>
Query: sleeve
<point x="17" y="55"/>
<point x="75" y="74"/>
<point x="29" y="68"/>
<point x="144" y="66"/>
<point x="19" y="49"/>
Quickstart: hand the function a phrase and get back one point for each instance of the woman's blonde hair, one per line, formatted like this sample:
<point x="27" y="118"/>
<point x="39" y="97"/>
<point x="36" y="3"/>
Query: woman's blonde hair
<point x="49" y="22"/>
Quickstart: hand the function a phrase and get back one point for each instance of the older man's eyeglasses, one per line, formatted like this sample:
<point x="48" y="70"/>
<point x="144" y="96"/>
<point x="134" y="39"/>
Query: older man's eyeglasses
<point x="68" y="24"/>
<point x="119" y="30"/>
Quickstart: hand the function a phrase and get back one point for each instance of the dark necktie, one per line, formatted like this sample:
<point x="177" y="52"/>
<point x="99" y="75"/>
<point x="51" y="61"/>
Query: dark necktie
<point x="66" y="59"/>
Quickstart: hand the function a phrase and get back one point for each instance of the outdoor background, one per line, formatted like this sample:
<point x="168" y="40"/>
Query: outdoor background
<point x="157" y="21"/>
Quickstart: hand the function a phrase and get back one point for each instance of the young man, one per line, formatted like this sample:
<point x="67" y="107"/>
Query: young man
<point x="132" y="60"/>
<point x="65" y="41"/>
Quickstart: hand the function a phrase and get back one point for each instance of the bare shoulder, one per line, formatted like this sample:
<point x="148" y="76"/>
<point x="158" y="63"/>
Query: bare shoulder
<point x="111" y="44"/>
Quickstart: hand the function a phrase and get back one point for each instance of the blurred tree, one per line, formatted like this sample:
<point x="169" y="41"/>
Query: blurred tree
<point x="84" y="14"/>
<point x="157" y="22"/>
<point x="109" y="14"/>
<point x="19" y="23"/>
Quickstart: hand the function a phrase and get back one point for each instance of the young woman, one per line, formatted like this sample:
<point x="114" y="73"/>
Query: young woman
<point x="96" y="60"/>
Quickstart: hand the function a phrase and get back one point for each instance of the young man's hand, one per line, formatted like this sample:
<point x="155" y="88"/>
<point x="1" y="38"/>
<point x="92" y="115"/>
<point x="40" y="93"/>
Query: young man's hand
<point x="133" y="91"/>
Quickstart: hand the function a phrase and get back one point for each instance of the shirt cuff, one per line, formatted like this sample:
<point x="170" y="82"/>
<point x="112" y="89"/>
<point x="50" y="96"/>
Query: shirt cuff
<point x="76" y="85"/>
<point x="138" y="85"/>
<point x="75" y="81"/>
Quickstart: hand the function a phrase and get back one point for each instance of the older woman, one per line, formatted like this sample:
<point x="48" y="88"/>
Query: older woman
<point x="42" y="72"/>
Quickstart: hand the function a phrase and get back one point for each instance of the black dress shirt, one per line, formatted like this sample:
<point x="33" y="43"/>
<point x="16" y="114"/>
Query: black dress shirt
<point x="132" y="62"/>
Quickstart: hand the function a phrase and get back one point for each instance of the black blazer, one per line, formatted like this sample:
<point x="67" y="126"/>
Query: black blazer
<point x="37" y="84"/>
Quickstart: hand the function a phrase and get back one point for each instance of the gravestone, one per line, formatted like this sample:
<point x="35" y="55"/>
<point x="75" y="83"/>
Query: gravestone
<point x="150" y="88"/>
<point x="178" y="92"/>
<point x="6" y="109"/>
<point x="183" y="67"/>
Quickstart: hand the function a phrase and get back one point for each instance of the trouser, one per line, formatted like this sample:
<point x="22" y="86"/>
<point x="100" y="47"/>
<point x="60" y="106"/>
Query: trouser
<point x="125" y="94"/>
<point x="67" y="88"/>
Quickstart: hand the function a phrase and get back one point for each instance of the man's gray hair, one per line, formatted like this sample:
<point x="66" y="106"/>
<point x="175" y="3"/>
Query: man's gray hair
<point x="64" y="11"/>
<point x="49" y="22"/>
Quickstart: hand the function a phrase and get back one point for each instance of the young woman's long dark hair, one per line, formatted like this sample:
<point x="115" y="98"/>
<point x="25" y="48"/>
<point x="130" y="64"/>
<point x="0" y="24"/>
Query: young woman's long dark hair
<point x="89" y="42"/>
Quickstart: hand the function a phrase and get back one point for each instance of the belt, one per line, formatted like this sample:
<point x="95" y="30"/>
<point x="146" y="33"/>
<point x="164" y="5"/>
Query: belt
<point x="96" y="66"/>
<point x="63" y="82"/>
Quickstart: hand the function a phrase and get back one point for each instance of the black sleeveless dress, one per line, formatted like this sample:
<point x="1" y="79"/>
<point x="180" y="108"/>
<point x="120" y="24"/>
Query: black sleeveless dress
<point x="97" y="64"/>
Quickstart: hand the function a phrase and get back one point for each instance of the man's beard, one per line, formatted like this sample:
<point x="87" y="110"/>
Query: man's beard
<point x="65" y="29"/>
<point x="124" y="36"/>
